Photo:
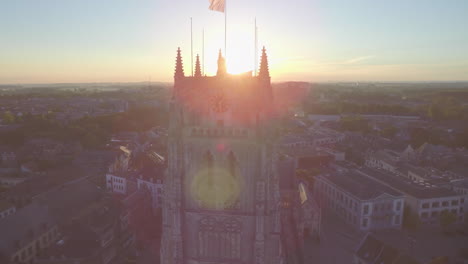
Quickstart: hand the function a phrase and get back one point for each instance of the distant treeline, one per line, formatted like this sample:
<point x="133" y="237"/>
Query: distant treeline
<point x="336" y="108"/>
<point x="91" y="132"/>
<point x="439" y="109"/>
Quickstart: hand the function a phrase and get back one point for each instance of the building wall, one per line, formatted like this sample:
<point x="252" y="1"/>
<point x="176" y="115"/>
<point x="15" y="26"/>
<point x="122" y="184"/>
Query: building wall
<point x="30" y="250"/>
<point x="116" y="184"/>
<point x="429" y="210"/>
<point x="156" y="189"/>
<point x="381" y="213"/>
<point x="463" y="191"/>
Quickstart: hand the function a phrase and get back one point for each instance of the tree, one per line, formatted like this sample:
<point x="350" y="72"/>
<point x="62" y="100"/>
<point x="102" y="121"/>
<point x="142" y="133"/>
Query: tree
<point x="447" y="218"/>
<point x="439" y="260"/>
<point x="389" y="132"/>
<point x="410" y="220"/>
<point x="8" y="117"/>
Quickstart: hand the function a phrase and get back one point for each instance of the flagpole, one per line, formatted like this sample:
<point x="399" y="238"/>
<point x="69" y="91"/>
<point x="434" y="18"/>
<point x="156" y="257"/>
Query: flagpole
<point x="191" y="45"/>
<point x="255" y="48"/>
<point x="225" y="29"/>
<point x="203" y="50"/>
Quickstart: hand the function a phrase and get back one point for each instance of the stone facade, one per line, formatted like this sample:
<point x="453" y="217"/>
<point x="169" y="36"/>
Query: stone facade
<point x="221" y="191"/>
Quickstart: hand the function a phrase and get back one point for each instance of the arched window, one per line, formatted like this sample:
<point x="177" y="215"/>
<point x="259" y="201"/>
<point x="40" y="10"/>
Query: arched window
<point x="219" y="238"/>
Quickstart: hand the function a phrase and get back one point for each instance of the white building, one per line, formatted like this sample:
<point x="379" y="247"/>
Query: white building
<point x="116" y="184"/>
<point x="461" y="188"/>
<point x="425" y="201"/>
<point x="117" y="176"/>
<point x="362" y="202"/>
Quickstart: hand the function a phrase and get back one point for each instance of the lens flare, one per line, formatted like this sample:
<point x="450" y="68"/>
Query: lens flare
<point x="215" y="188"/>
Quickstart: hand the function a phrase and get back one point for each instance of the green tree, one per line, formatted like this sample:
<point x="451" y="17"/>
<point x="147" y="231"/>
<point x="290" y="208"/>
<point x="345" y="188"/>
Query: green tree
<point x="8" y="117"/>
<point x="389" y="132"/>
<point x="447" y="218"/>
<point x="410" y="219"/>
<point x="439" y="260"/>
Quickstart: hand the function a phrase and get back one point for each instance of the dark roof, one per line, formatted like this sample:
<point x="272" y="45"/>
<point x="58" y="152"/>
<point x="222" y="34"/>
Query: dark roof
<point x="19" y="228"/>
<point x="80" y="242"/>
<point x="460" y="183"/>
<point x="359" y="185"/>
<point x="407" y="186"/>
<point x="40" y="184"/>
<point x="372" y="250"/>
<point x="68" y="199"/>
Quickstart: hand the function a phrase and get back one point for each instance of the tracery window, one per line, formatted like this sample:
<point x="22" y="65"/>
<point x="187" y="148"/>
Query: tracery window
<point x="219" y="239"/>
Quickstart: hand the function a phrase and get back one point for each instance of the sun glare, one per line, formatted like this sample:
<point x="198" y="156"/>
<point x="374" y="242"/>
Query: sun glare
<point x="240" y="50"/>
<point x="240" y="53"/>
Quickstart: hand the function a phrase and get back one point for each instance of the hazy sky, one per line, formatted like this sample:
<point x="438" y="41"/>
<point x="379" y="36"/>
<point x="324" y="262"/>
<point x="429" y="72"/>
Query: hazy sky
<point x="310" y="40"/>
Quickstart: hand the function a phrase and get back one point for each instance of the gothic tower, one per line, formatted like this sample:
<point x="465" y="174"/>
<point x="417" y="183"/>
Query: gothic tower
<point x="221" y="193"/>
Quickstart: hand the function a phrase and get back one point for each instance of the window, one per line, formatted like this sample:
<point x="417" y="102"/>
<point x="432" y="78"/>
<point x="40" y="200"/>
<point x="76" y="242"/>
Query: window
<point x="424" y="215"/>
<point x="454" y="202"/>
<point x="398" y="206"/>
<point x="366" y="209"/>
<point x="434" y="214"/>
<point x="211" y="237"/>
<point x="462" y="200"/>
<point x="435" y="204"/>
<point x="364" y="222"/>
<point x="454" y="211"/>
<point x="425" y="205"/>
<point x="445" y="203"/>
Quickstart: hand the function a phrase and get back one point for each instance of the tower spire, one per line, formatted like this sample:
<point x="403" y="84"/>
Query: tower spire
<point x="197" y="67"/>
<point x="221" y="65"/>
<point x="179" y="69"/>
<point x="264" y="71"/>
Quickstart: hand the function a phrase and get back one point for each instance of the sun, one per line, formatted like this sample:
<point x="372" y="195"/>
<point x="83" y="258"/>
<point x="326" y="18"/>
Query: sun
<point x="240" y="51"/>
<point x="238" y="63"/>
<point x="240" y="47"/>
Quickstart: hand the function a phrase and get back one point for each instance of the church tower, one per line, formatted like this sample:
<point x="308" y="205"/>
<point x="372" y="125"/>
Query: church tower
<point x="221" y="196"/>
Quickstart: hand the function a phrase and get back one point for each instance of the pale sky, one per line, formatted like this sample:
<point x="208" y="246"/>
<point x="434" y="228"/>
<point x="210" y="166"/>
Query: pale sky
<point x="50" y="41"/>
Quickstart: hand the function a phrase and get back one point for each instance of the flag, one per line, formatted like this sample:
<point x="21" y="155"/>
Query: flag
<point x="217" y="5"/>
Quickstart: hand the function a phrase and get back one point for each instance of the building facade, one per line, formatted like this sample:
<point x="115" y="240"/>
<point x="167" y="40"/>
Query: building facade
<point x="23" y="239"/>
<point x="155" y="187"/>
<point x="221" y="192"/>
<point x="424" y="202"/>
<point x="363" y="203"/>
